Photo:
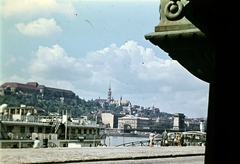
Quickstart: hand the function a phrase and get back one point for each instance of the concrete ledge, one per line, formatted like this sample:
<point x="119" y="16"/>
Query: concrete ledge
<point x="66" y="155"/>
<point x="141" y="157"/>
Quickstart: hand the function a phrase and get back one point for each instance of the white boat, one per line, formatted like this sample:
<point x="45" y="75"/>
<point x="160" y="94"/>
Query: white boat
<point x="20" y="126"/>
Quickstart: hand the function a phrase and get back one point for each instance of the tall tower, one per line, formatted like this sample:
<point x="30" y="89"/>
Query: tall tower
<point x="109" y="93"/>
<point x="202" y="126"/>
<point x="120" y="101"/>
<point x="178" y="123"/>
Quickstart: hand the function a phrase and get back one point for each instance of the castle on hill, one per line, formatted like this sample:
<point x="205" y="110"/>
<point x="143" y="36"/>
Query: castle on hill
<point x="126" y="105"/>
<point x="43" y="91"/>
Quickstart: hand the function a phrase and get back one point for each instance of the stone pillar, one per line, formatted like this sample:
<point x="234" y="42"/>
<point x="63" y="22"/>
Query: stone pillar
<point x="202" y="128"/>
<point x="178" y="123"/>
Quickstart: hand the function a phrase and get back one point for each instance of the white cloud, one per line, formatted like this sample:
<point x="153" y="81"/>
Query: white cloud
<point x="10" y="60"/>
<point x="134" y="71"/>
<point x="30" y="8"/>
<point x="14" y="78"/>
<point x="41" y="27"/>
<point x="54" y="64"/>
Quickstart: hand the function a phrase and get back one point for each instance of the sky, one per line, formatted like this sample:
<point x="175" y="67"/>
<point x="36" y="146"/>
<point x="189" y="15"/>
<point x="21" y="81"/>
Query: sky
<point x="87" y="45"/>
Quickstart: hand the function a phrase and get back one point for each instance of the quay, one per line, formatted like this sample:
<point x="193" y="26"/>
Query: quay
<point x="91" y="154"/>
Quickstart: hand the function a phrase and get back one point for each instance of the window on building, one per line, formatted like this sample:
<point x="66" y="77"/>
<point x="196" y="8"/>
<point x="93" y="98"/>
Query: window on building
<point x="22" y="129"/>
<point x="9" y="128"/>
<point x="31" y="129"/>
<point x="73" y="130"/>
<point x="40" y="129"/>
<point x="90" y="131"/>
<point x="12" y="111"/>
<point x="80" y="131"/>
<point x="85" y="131"/>
<point x="47" y="129"/>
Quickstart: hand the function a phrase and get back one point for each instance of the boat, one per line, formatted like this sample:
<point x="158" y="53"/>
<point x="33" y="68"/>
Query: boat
<point x="20" y="126"/>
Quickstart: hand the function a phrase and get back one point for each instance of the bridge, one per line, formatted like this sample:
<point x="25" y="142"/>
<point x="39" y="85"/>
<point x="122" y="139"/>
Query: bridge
<point x="159" y="131"/>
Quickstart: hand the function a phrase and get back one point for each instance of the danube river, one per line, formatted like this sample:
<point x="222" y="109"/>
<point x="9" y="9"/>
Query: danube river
<point x="112" y="141"/>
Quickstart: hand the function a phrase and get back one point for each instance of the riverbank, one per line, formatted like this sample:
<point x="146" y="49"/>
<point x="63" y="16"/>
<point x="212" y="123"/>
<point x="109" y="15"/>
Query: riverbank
<point x="65" y="155"/>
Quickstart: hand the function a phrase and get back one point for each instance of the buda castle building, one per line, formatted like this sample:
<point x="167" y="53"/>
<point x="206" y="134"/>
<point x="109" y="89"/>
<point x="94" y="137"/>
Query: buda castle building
<point x="111" y="100"/>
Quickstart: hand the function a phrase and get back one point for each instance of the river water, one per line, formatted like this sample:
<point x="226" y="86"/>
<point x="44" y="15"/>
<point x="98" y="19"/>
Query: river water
<point x="112" y="141"/>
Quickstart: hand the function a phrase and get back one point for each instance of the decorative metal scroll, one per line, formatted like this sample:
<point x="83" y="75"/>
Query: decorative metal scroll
<point x="174" y="10"/>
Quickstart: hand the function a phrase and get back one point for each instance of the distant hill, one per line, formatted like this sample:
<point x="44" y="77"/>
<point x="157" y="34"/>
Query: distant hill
<point x="54" y="99"/>
<point x="43" y="92"/>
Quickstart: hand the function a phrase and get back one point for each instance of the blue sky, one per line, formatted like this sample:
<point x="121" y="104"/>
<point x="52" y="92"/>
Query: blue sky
<point x="82" y="45"/>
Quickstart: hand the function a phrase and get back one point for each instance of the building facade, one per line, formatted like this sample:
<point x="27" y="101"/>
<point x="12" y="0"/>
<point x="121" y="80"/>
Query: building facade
<point x="111" y="119"/>
<point x="34" y="87"/>
<point x="108" y="119"/>
<point x="133" y="122"/>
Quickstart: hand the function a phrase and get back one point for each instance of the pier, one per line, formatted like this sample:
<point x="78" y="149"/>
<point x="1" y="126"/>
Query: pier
<point x="90" y="154"/>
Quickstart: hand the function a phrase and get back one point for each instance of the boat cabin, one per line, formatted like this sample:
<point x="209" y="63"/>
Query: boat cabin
<point x="21" y="125"/>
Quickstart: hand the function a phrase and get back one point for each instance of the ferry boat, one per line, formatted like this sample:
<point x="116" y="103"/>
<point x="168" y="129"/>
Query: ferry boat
<point x="20" y="126"/>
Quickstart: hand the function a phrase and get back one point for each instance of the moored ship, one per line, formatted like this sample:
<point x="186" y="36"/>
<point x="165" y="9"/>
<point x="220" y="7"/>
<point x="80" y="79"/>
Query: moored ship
<point x="20" y="126"/>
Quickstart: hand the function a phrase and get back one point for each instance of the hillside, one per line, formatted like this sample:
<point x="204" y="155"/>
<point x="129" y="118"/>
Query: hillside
<point x="76" y="105"/>
<point x="81" y="107"/>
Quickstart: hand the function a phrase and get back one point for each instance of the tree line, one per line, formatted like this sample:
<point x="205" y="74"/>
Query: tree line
<point x="76" y="105"/>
